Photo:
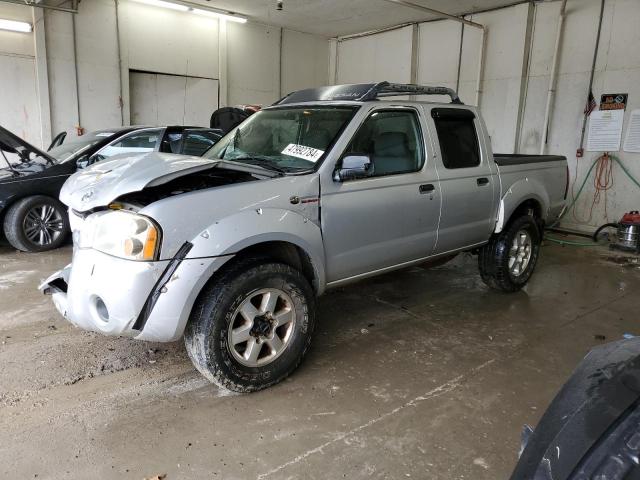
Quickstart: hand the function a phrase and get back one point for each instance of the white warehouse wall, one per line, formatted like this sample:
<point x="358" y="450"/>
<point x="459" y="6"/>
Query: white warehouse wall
<point x="385" y="56"/>
<point x="617" y="71"/>
<point x="253" y="63"/>
<point x="312" y="70"/>
<point x="115" y="36"/>
<point x="519" y="48"/>
<point x="18" y="87"/>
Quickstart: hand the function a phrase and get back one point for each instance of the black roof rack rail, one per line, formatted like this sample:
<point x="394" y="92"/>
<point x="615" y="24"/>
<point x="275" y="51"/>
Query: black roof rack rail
<point x="362" y="92"/>
<point x="387" y="89"/>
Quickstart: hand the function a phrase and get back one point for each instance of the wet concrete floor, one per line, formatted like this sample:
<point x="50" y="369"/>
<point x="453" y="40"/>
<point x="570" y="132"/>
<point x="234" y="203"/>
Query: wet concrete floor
<point x="415" y="374"/>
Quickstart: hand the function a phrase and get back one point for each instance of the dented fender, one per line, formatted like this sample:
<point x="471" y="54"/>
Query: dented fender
<point x="236" y="232"/>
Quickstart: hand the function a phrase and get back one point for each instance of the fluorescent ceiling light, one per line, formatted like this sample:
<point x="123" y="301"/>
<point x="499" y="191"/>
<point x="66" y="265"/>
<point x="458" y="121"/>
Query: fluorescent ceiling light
<point x="163" y="4"/>
<point x="14" y="26"/>
<point x="221" y="16"/>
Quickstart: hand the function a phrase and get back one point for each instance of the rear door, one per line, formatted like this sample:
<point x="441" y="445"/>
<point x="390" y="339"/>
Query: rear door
<point x="388" y="218"/>
<point x="468" y="180"/>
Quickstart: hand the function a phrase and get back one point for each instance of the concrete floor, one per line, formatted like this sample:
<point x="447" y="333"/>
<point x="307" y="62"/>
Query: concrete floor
<point x="419" y="373"/>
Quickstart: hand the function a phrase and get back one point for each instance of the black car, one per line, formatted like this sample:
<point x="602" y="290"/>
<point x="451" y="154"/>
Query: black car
<point x="33" y="219"/>
<point x="591" y="430"/>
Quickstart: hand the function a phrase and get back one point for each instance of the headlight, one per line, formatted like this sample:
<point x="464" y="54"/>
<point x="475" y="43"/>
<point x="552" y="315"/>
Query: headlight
<point x="127" y="235"/>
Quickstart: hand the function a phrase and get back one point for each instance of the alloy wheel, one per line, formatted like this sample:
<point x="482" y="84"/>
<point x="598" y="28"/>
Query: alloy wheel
<point x="261" y="327"/>
<point x="520" y="253"/>
<point x="43" y="225"/>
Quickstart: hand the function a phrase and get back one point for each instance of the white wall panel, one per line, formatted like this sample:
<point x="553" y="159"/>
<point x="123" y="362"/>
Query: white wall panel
<point x="504" y="57"/>
<point x="201" y="100"/>
<point x="304" y="61"/>
<point x="165" y="41"/>
<point x="158" y="99"/>
<point x="17" y="43"/>
<point x="62" y="79"/>
<point x="253" y="63"/>
<point x="98" y="65"/>
<point x="19" y="112"/>
<point x="617" y="70"/>
<point x="438" y="44"/>
<point x="385" y="56"/>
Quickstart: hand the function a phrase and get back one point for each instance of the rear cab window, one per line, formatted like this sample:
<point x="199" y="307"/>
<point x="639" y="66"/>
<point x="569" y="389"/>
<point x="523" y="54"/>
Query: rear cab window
<point x="457" y="136"/>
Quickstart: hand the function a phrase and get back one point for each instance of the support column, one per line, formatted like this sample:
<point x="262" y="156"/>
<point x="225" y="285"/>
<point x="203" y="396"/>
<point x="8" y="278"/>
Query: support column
<point x="223" y="84"/>
<point x="42" y="76"/>
<point x="333" y="61"/>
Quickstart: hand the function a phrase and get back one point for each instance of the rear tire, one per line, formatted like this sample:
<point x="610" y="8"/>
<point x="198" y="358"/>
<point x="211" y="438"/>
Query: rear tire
<point x="36" y="224"/>
<point x="507" y="262"/>
<point x="231" y="335"/>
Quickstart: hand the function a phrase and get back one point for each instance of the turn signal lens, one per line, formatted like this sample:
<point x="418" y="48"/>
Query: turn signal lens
<point x="149" y="250"/>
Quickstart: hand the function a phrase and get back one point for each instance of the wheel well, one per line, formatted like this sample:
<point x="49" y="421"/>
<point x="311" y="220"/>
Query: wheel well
<point x="529" y="207"/>
<point x="279" y="251"/>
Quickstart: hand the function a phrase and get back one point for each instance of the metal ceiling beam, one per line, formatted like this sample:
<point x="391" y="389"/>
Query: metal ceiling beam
<point x="37" y="4"/>
<point x="436" y="12"/>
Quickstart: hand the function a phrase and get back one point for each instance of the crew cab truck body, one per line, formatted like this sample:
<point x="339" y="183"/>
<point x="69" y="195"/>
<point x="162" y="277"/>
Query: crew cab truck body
<point x="326" y="187"/>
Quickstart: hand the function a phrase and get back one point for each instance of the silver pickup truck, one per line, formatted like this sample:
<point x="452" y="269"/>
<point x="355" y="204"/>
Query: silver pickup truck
<point x="325" y="187"/>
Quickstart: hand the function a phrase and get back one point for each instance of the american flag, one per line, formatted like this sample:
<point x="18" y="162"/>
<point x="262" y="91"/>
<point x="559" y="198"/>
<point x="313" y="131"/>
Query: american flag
<point x="591" y="104"/>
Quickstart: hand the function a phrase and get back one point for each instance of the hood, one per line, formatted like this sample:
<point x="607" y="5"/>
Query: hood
<point x="19" y="157"/>
<point x="105" y="181"/>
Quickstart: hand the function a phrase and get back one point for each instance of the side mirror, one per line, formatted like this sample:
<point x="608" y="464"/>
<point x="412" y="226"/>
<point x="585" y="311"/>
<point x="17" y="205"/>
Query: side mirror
<point x="353" y="167"/>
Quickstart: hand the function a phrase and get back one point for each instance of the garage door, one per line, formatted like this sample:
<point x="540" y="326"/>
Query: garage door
<point x="159" y="99"/>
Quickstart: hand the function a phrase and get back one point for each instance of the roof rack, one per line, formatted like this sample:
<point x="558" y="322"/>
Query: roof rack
<point x="386" y="89"/>
<point x="362" y="92"/>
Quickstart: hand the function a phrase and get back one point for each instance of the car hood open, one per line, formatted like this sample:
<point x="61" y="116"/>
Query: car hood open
<point x="105" y="181"/>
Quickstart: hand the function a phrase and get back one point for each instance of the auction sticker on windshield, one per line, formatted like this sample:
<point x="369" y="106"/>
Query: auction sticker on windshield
<point x="301" y="151"/>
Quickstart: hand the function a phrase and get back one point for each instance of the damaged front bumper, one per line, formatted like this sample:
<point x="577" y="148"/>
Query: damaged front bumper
<point x="113" y="296"/>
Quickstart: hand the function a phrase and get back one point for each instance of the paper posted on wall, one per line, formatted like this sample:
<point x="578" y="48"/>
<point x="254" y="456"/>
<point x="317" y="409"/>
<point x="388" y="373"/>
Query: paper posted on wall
<point x="632" y="140"/>
<point x="605" y="131"/>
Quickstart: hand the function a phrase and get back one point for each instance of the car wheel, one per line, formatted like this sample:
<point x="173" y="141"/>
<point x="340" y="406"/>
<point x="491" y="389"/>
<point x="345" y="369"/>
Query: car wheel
<point x="252" y="325"/>
<point x="507" y="262"/>
<point x="36" y="224"/>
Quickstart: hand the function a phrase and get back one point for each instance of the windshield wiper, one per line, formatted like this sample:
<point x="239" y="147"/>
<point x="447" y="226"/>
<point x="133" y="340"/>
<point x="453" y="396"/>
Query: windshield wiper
<point x="258" y="161"/>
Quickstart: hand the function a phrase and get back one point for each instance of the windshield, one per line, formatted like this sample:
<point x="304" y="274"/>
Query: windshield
<point x="283" y="139"/>
<point x="68" y="149"/>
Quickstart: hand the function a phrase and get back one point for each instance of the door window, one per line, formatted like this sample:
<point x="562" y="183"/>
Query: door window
<point x="196" y="142"/>
<point x="137" y="142"/>
<point x="457" y="136"/>
<point x="392" y="139"/>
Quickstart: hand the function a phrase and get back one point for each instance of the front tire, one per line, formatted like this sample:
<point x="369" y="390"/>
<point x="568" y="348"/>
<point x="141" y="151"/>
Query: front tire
<point x="36" y="224"/>
<point x="251" y="326"/>
<point x="507" y="262"/>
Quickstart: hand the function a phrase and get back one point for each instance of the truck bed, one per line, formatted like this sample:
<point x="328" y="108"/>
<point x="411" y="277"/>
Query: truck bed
<point x="546" y="177"/>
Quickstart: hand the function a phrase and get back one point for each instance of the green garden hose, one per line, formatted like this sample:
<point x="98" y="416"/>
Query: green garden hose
<point x="575" y="199"/>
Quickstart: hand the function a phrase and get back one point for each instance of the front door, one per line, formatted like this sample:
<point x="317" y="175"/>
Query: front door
<point x="391" y="216"/>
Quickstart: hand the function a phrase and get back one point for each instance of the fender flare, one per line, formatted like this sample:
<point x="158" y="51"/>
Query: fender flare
<point x="247" y="228"/>
<point x="516" y="195"/>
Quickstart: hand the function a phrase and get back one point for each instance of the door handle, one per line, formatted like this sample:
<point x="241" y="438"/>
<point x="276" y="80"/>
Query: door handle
<point x="427" y="187"/>
<point x="482" y="181"/>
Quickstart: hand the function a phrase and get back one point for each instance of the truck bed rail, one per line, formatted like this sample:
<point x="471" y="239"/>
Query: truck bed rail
<point x="507" y="159"/>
